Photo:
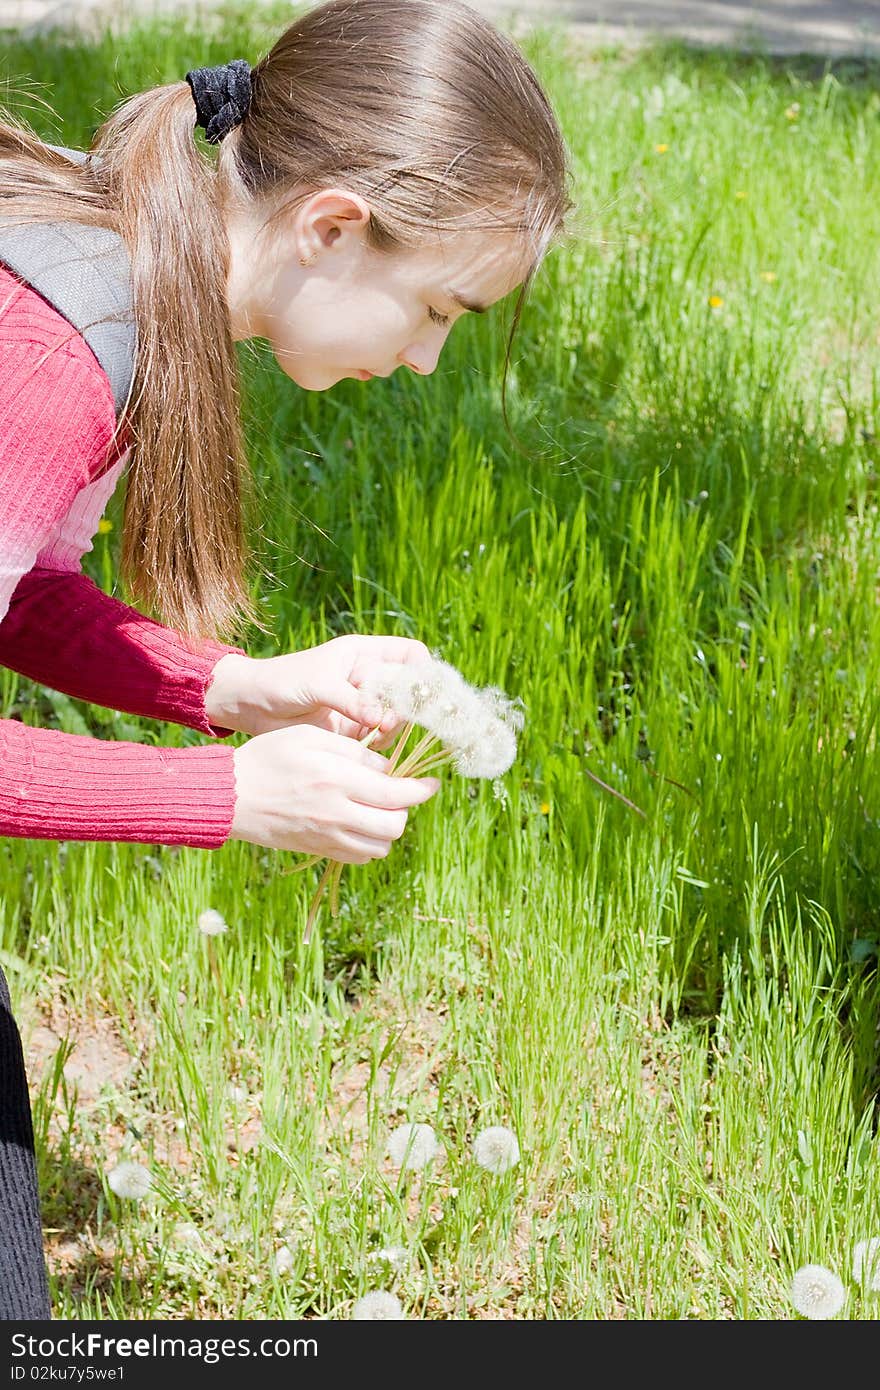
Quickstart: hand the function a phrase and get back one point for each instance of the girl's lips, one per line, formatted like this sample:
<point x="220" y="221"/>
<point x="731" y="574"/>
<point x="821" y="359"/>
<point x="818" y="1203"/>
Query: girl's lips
<point x="364" y="374"/>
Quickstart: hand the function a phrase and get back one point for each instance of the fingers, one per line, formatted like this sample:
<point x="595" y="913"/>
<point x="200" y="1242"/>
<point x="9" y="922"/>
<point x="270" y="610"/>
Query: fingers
<point x="389" y="793"/>
<point x="373" y="824"/>
<point x="404" y="650"/>
<point x="350" y="748"/>
<point x="361" y="849"/>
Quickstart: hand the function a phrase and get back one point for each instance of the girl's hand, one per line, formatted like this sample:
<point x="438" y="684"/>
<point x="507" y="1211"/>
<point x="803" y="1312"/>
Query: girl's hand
<point x="310" y="791"/>
<point x="319" y="686"/>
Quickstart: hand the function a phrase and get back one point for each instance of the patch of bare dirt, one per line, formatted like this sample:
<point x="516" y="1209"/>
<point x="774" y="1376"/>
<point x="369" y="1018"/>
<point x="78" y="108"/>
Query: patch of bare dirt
<point x="98" y="1058"/>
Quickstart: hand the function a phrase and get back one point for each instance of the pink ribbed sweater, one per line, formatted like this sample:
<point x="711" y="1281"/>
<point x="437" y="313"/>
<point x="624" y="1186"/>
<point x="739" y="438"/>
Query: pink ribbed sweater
<point x="57" y="473"/>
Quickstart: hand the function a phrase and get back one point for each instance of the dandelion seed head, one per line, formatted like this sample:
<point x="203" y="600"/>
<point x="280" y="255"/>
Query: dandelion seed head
<point x="210" y="923"/>
<point x="486" y="757"/>
<point x="378" y="1305"/>
<point x="413" y="1146"/>
<point x="423" y="693"/>
<point x="866" y="1263"/>
<point x="131" y="1180"/>
<point x="188" y="1234"/>
<point x="496" y="1149"/>
<point x="817" y="1293"/>
<point x="501" y="706"/>
<point x="476" y="726"/>
<point x="396" y="1257"/>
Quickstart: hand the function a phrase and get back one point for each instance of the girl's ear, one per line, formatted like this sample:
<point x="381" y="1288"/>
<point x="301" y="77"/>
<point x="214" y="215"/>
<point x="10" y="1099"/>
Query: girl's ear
<point x="330" y="218"/>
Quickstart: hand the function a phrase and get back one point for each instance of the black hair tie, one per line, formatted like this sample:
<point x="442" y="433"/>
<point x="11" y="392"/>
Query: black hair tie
<point x="222" y="96"/>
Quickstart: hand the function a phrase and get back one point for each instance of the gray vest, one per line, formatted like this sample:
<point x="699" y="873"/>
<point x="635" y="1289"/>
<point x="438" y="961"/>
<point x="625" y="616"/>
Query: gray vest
<point x="84" y="273"/>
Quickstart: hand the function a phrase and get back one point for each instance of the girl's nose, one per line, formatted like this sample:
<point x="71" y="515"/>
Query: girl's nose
<point x="423" y="357"/>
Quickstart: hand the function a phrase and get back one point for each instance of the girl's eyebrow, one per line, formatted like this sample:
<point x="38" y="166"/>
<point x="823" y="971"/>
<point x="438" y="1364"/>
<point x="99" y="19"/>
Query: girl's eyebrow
<point x="469" y="304"/>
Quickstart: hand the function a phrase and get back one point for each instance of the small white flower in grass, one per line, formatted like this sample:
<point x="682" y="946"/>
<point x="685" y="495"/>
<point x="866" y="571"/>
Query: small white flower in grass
<point x="211" y="923"/>
<point x="130" y="1180"/>
<point x="817" y="1293"/>
<point x="378" y="1305"/>
<point x="283" y="1261"/>
<point x="413" y="1146"/>
<point x="866" y="1263"/>
<point x="186" y="1233"/>
<point x="496" y="1149"/>
<point x="396" y="1257"/>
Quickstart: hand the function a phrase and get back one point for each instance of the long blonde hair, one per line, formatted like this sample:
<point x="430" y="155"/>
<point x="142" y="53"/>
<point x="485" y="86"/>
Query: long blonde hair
<point x="420" y="106"/>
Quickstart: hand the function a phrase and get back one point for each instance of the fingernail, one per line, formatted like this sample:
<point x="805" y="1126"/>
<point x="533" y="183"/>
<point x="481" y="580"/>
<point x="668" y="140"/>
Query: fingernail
<point x="433" y="785"/>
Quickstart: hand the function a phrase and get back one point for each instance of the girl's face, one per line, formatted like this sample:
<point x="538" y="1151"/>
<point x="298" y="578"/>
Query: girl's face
<point x="332" y="308"/>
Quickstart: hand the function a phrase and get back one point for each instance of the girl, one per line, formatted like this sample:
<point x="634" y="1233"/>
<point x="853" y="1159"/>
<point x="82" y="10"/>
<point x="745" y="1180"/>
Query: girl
<point x="388" y="167"/>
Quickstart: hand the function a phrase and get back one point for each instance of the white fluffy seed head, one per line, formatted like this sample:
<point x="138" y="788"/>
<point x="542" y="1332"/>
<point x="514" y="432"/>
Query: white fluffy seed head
<point x="488" y="755"/>
<point x="131" y="1180"/>
<point x="282" y="1261"/>
<point x="378" y="1305"/>
<point x="478" y="726"/>
<point x="187" y="1234"/>
<point x="496" y="1149"/>
<point x="817" y="1293"/>
<point x="866" y="1263"/>
<point x="211" y="923"/>
<point x="396" y="1257"/>
<point x="502" y="708"/>
<point x="413" y="1146"/>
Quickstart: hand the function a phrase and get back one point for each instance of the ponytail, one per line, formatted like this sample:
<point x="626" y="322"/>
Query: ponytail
<point x="189" y="492"/>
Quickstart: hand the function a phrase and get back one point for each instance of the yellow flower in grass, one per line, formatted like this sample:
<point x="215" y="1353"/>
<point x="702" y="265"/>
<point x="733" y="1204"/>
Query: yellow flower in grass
<point x="768" y="276"/>
<point x="545" y="808"/>
<point x="104" y="526"/>
<point x="715" y="301"/>
<point x="661" y="149"/>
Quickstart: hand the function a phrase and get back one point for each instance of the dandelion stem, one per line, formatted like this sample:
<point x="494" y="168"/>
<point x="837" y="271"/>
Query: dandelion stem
<point x="398" y="747"/>
<point x="303" y="864"/>
<point x="334" y="888"/>
<point x="425" y="764"/>
<point x="319" y="893"/>
<point x="215" y="967"/>
<point x="413" y="756"/>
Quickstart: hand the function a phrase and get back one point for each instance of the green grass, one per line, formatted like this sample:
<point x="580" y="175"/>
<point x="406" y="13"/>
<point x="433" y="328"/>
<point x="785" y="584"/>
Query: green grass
<point x="677" y="1011"/>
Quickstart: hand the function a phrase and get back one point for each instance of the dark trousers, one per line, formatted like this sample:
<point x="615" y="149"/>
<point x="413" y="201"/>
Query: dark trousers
<point x="24" y="1290"/>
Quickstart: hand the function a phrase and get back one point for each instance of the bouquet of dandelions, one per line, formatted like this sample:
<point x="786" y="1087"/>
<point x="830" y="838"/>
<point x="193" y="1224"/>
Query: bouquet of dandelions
<point x="473" y="728"/>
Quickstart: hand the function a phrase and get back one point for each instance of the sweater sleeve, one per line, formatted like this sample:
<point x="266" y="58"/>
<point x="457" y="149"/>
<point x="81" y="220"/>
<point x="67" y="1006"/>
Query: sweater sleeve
<point x="63" y="631"/>
<point x="56" y="786"/>
<point x="57" y="627"/>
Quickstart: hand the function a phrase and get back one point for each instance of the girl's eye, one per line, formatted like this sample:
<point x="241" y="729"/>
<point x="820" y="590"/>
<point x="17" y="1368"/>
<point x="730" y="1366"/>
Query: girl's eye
<point x="436" y="317"/>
